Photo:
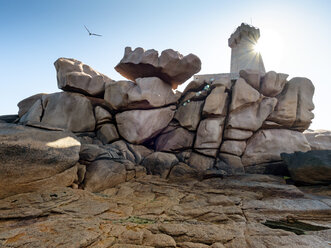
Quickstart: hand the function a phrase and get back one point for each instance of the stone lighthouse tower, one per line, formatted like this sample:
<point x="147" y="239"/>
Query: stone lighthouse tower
<point x="243" y="55"/>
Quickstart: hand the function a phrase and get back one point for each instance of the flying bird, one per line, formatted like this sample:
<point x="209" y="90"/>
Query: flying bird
<point x="91" y="33"/>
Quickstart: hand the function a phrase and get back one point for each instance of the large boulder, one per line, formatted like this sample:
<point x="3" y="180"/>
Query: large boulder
<point x="295" y="104"/>
<point x="273" y="83"/>
<point x="216" y="102"/>
<point x="312" y="167"/>
<point x="253" y="115"/>
<point x="209" y="136"/>
<point x="146" y="93"/>
<point x="189" y="115"/>
<point x="171" y="66"/>
<point x="318" y="139"/>
<point x="138" y="126"/>
<point x="32" y="158"/>
<point x="174" y="140"/>
<point x="160" y="163"/>
<point x="63" y="110"/>
<point x="26" y="104"/>
<point x="267" y="145"/>
<point x="103" y="174"/>
<point x="252" y="77"/>
<point x="73" y="75"/>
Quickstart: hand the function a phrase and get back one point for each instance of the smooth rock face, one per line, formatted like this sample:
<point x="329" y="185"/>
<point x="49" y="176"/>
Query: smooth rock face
<point x="252" y="117"/>
<point x="273" y="83"/>
<point x="34" y="114"/>
<point x="267" y="145"/>
<point x="69" y="111"/>
<point x="295" y="105"/>
<point x="318" y="139"/>
<point x="312" y="167"/>
<point x="234" y="147"/>
<point x="103" y="174"/>
<point x="116" y="94"/>
<point x="174" y="140"/>
<point x="107" y="133"/>
<point x="160" y="163"/>
<point x="216" y="103"/>
<point x="102" y="115"/>
<point x="73" y="75"/>
<point x="209" y="134"/>
<point x="138" y="126"/>
<point x="237" y="134"/>
<point x="171" y="66"/>
<point x="30" y="158"/>
<point x="243" y="94"/>
<point x="189" y="115"/>
<point x="252" y="77"/>
<point x="27" y="103"/>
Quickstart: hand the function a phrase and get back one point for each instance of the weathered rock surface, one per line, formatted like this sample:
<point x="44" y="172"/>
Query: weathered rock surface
<point x="312" y="167"/>
<point x="267" y="145"/>
<point x="216" y="103"/>
<point x="146" y="93"/>
<point x="73" y="75"/>
<point x="252" y="77"/>
<point x="318" y="139"/>
<point x="189" y="115"/>
<point x="237" y="134"/>
<point x="234" y="147"/>
<point x="273" y="83"/>
<point x="174" y="140"/>
<point x="26" y="104"/>
<point x="107" y="133"/>
<point x="103" y="174"/>
<point x="171" y="66"/>
<point x="31" y="158"/>
<point x="138" y="126"/>
<point x="200" y="162"/>
<point x="102" y="115"/>
<point x="151" y="212"/>
<point x="295" y="105"/>
<point x="160" y="163"/>
<point x="209" y="135"/>
<point x="251" y="118"/>
<point x="243" y="94"/>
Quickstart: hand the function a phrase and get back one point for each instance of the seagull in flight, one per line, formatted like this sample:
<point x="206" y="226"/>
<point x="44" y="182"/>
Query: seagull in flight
<point x="91" y="33"/>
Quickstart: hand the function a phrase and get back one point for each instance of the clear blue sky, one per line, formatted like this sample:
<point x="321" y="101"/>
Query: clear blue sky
<point x="35" y="33"/>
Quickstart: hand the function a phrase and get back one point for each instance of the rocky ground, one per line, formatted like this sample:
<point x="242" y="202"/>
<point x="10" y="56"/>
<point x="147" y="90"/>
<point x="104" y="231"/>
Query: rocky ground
<point x="154" y="212"/>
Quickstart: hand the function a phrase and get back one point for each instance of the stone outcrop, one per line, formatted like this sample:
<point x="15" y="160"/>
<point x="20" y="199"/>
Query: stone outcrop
<point x="170" y="66"/>
<point x="318" y="139"/>
<point x="31" y="158"/>
<point x="218" y="126"/>
<point x="312" y="167"/>
<point x="73" y="75"/>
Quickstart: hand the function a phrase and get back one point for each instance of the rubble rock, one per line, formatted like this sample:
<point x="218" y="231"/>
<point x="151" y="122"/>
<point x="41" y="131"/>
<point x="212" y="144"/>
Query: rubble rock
<point x="138" y="126"/>
<point x="73" y="75"/>
<point x="102" y="115"/>
<point x="107" y="133"/>
<point x="267" y="145"/>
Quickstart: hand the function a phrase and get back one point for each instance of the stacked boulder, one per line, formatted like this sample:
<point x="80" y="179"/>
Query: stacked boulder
<point x="216" y="126"/>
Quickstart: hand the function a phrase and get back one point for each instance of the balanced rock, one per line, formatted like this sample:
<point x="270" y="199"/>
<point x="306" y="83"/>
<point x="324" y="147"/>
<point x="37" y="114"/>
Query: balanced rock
<point x="267" y="145"/>
<point x="73" y="75"/>
<point x="171" y="66"/>
<point x="31" y="158"/>
<point x="138" y="126"/>
<point x="318" y="139"/>
<point x="295" y="105"/>
<point x="63" y="110"/>
<point x="273" y="83"/>
<point x="312" y="167"/>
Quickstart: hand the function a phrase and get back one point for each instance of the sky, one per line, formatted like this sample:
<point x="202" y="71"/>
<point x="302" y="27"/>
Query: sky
<point x="295" y="39"/>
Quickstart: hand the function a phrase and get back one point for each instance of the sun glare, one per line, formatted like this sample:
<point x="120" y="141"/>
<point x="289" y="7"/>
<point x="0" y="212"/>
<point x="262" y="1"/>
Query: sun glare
<point x="257" y="47"/>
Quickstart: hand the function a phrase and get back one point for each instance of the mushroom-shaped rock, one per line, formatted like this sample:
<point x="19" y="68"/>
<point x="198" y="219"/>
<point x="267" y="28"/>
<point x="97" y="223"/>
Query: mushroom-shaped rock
<point x="170" y="66"/>
<point x="73" y="75"/>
